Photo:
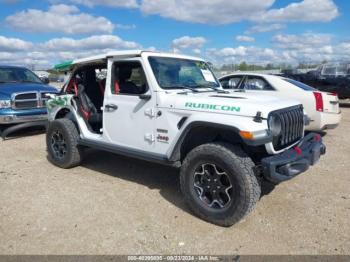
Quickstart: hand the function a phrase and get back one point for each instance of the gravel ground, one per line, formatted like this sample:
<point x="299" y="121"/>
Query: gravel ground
<point x="117" y="205"/>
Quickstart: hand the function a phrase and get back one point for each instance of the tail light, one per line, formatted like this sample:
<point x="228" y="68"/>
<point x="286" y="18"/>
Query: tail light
<point x="319" y="101"/>
<point x="333" y="94"/>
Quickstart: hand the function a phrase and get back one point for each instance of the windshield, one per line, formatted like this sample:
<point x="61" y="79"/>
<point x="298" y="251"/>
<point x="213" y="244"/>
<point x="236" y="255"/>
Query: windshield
<point x="335" y="70"/>
<point x="300" y="85"/>
<point x="175" y="73"/>
<point x="15" y="75"/>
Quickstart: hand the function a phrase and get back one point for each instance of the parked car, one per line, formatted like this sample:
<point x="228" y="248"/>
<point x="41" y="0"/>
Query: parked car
<point x="333" y="70"/>
<point x="22" y="99"/>
<point x="171" y="109"/>
<point x="330" y="77"/>
<point x="322" y="107"/>
<point x="45" y="79"/>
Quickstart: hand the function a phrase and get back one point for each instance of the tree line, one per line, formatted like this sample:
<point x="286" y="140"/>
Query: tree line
<point x="244" y="66"/>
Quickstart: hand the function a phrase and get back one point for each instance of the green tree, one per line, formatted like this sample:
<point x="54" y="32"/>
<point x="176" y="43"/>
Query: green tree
<point x="243" y="66"/>
<point x="269" y="66"/>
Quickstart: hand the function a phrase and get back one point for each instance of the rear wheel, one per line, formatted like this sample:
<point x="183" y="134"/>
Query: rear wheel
<point x="219" y="183"/>
<point x="62" y="144"/>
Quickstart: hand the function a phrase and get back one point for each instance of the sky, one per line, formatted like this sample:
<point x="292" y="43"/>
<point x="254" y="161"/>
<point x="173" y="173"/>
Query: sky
<point x="45" y="32"/>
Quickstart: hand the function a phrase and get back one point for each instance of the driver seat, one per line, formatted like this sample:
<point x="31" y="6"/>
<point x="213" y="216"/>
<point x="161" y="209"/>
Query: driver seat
<point x="88" y="109"/>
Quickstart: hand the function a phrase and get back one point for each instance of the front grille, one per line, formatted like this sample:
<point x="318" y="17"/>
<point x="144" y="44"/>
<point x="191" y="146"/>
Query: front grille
<point x="25" y="104"/>
<point x="292" y="123"/>
<point x="26" y="96"/>
<point x="25" y="100"/>
<point x="29" y="100"/>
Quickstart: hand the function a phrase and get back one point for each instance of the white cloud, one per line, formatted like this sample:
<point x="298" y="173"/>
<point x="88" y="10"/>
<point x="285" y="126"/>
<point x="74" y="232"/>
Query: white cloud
<point x="204" y="11"/>
<point x="187" y="42"/>
<point x="292" y="49"/>
<point x="100" y="42"/>
<point x="239" y="54"/>
<point x="197" y="51"/>
<point x="225" y="12"/>
<point x="244" y="38"/>
<point x="24" y="59"/>
<point x="125" y="27"/>
<point x="229" y="52"/>
<point x="59" y="18"/>
<point x="5" y="56"/>
<point x="300" y="42"/>
<point x="14" y="44"/>
<point x="343" y="48"/>
<point x="304" y="11"/>
<point x="110" y="3"/>
<point x="307" y="47"/>
<point x="44" y="55"/>
<point x="262" y="28"/>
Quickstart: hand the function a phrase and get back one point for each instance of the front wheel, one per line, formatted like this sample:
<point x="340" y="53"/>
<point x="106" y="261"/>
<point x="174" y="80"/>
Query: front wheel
<point x="62" y="144"/>
<point x="219" y="183"/>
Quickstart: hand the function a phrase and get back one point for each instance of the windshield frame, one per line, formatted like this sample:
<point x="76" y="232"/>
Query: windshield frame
<point x="179" y="86"/>
<point x="15" y="71"/>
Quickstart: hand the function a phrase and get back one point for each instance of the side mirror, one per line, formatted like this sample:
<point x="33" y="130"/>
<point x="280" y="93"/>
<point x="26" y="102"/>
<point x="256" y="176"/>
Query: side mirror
<point x="46" y="81"/>
<point x="145" y="97"/>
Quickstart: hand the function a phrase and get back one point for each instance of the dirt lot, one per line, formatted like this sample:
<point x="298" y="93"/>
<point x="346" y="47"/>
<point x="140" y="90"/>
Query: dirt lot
<point x="116" y="205"/>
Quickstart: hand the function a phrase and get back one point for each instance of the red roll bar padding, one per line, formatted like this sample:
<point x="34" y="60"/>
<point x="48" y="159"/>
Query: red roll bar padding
<point x="72" y="84"/>
<point x="116" y="88"/>
<point x="86" y="115"/>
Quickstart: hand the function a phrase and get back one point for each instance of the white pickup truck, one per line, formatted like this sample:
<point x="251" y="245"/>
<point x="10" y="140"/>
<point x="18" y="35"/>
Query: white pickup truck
<point x="171" y="109"/>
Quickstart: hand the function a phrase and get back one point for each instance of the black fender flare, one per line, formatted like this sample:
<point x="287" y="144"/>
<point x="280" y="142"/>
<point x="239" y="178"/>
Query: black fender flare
<point x="176" y="152"/>
<point x="69" y="115"/>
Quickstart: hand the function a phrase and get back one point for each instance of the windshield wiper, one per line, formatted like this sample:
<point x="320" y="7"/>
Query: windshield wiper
<point x="28" y="81"/>
<point x="193" y="89"/>
<point x="219" y="90"/>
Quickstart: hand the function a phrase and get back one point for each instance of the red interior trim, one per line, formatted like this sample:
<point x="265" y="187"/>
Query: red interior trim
<point x="116" y="88"/>
<point x="75" y="88"/>
<point x="72" y="84"/>
<point x="86" y="115"/>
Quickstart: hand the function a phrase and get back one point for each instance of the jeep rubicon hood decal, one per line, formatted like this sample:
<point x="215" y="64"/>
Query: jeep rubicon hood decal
<point x="213" y="107"/>
<point x="235" y="104"/>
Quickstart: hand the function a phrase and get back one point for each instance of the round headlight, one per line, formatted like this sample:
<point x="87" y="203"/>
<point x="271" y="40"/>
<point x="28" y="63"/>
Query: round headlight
<point x="275" y="125"/>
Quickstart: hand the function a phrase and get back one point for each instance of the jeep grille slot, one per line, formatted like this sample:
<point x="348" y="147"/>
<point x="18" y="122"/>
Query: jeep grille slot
<point x="292" y="126"/>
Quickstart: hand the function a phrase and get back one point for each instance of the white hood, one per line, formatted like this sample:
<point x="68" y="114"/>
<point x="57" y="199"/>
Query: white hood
<point x="243" y="104"/>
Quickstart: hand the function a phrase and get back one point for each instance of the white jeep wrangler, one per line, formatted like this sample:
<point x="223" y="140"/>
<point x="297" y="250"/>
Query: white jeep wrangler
<point x="171" y="109"/>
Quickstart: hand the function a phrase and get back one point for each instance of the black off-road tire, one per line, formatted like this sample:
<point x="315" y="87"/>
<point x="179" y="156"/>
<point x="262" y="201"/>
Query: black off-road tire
<point x="246" y="189"/>
<point x="69" y="133"/>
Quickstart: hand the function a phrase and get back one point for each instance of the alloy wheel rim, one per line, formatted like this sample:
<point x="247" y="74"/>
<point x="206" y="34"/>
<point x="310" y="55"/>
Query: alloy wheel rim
<point x="58" y="145"/>
<point x="213" y="186"/>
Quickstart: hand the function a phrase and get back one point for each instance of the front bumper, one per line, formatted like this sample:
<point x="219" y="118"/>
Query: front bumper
<point x="10" y="117"/>
<point x="294" y="161"/>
